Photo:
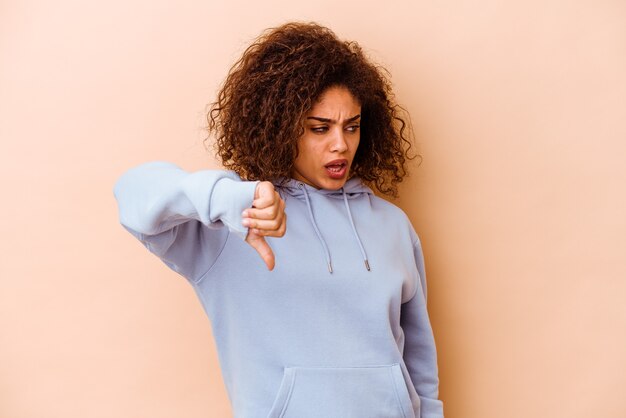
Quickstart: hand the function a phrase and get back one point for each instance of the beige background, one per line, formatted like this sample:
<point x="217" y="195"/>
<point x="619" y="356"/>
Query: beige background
<point x="519" y="110"/>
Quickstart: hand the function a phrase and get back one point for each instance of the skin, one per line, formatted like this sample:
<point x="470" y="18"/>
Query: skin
<point x="267" y="217"/>
<point x="331" y="131"/>
<point x="324" y="141"/>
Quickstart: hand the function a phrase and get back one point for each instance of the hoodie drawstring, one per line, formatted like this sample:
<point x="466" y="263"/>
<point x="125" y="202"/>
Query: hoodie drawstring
<point x="345" y="199"/>
<point x="317" y="231"/>
<point x="319" y="234"/>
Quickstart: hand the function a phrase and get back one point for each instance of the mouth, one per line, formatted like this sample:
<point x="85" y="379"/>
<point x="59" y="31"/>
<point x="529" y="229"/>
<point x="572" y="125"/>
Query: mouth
<point x="337" y="169"/>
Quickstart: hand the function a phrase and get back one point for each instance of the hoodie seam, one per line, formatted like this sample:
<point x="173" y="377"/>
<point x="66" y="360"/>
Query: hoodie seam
<point x="203" y="275"/>
<point x="416" y="280"/>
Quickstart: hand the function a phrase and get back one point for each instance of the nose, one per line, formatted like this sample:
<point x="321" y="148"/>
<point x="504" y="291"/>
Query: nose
<point x="338" y="142"/>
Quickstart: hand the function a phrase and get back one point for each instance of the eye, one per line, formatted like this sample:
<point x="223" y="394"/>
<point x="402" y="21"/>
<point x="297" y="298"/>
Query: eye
<point x="354" y="128"/>
<point x="319" y="129"/>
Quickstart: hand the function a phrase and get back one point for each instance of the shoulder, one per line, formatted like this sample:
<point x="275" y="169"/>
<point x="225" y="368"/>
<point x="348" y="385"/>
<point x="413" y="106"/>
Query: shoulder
<point x="393" y="214"/>
<point x="389" y="208"/>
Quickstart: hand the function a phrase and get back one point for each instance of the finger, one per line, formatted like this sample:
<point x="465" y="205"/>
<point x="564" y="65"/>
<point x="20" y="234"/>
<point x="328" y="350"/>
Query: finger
<point x="263" y="224"/>
<point x="270" y="212"/>
<point x="283" y="228"/>
<point x="265" y="213"/>
<point x="264" y="195"/>
<point x="264" y="250"/>
<point x="279" y="232"/>
<point x="266" y="232"/>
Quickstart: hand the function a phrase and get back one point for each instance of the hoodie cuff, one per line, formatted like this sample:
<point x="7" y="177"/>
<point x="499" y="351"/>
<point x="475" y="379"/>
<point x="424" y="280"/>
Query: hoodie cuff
<point x="230" y="197"/>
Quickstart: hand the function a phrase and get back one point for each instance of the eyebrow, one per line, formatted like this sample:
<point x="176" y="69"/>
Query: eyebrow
<point x="333" y="121"/>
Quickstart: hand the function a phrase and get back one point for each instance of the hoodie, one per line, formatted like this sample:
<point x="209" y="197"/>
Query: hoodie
<point x="338" y="329"/>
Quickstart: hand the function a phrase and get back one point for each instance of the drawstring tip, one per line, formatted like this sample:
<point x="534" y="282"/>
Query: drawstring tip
<point x="330" y="268"/>
<point x="367" y="265"/>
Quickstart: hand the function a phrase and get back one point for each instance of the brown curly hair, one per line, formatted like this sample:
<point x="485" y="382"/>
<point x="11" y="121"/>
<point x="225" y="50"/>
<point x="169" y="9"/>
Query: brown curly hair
<point x="258" y="116"/>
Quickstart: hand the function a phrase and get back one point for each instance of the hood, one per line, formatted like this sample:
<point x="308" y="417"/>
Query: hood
<point x="352" y="189"/>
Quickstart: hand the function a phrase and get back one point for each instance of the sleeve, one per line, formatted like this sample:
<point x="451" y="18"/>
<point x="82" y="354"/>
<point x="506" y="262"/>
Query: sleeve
<point x="183" y="217"/>
<point x="420" y="352"/>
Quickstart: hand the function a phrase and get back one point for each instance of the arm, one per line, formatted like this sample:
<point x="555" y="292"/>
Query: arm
<point x="420" y="353"/>
<point x="184" y="218"/>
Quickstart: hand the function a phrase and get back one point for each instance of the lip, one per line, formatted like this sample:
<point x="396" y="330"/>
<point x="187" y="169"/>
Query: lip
<point x="337" y="162"/>
<point x="337" y="173"/>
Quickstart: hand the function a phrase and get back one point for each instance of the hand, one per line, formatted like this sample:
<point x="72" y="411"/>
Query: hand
<point x="267" y="217"/>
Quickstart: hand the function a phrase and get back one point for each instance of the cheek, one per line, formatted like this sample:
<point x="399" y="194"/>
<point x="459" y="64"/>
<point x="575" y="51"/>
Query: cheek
<point x="305" y="152"/>
<point x="311" y="151"/>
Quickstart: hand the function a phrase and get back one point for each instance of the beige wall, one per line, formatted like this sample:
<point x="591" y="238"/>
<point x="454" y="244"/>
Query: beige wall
<point x="519" y="108"/>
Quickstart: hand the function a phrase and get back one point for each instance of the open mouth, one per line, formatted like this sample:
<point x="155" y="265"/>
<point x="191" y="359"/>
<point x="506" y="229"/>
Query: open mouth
<point x="337" y="169"/>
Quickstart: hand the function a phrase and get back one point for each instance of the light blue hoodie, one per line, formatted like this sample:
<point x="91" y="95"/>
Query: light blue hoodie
<point x="339" y="328"/>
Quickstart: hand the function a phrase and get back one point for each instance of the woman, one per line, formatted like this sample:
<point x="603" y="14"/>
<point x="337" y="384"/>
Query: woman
<point x="315" y="287"/>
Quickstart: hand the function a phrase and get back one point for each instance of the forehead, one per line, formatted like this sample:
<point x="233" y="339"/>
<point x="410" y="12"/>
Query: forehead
<point x="336" y="99"/>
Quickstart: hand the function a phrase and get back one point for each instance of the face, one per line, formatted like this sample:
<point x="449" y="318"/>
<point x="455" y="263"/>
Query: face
<point x="331" y="137"/>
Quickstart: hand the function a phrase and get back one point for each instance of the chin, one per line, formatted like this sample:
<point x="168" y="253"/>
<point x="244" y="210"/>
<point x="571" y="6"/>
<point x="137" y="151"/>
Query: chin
<point x="333" y="184"/>
<point x="322" y="181"/>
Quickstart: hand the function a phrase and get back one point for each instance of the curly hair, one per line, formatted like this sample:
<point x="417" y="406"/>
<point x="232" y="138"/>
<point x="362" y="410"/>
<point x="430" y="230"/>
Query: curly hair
<point x="258" y="115"/>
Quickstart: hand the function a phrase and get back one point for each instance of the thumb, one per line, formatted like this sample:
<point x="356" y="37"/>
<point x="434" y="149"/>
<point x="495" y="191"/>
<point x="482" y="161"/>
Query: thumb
<point x="263" y="248"/>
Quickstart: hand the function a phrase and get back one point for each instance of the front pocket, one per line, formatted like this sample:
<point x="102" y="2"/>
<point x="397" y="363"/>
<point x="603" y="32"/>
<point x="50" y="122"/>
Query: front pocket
<point x="342" y="392"/>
